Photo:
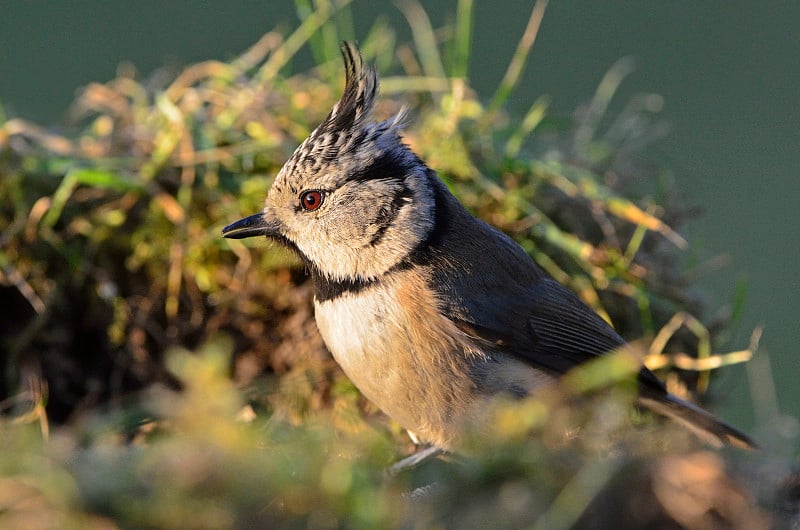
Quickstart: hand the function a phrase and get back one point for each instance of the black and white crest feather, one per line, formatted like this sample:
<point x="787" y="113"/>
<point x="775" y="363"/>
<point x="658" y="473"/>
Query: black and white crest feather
<point x="349" y="140"/>
<point x="358" y="99"/>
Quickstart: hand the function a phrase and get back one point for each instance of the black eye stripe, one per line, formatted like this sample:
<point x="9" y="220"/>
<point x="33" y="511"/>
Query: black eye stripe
<point x="388" y="214"/>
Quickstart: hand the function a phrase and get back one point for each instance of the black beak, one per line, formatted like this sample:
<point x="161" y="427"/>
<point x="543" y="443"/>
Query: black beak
<point x="255" y="225"/>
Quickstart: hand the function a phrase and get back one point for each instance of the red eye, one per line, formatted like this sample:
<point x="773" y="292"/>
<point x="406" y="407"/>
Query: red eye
<point x="311" y="200"/>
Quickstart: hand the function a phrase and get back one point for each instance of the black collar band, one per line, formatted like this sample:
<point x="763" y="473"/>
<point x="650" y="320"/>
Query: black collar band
<point x="327" y="289"/>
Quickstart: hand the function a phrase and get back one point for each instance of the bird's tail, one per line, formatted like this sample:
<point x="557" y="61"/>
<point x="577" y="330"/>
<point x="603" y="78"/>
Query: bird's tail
<point x="701" y="423"/>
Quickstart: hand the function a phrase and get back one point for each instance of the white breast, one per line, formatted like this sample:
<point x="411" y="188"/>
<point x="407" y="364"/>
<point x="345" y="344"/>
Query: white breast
<point x="358" y="330"/>
<point x="402" y="354"/>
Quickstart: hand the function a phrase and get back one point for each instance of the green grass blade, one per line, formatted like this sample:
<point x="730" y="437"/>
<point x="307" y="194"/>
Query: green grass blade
<point x="460" y="45"/>
<point x="97" y="178"/>
<point x="308" y="27"/>
<point x="517" y="64"/>
<point x="532" y="119"/>
<point x="424" y="37"/>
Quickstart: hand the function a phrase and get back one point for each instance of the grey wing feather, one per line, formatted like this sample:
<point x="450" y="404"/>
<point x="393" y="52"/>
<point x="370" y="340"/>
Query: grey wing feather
<point x="555" y="331"/>
<point x="566" y="332"/>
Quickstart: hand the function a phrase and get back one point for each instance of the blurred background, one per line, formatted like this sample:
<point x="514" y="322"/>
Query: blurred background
<point x="729" y="74"/>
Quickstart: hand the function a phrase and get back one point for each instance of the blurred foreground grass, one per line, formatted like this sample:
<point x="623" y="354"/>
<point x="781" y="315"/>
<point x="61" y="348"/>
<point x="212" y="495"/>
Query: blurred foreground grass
<point x="113" y="271"/>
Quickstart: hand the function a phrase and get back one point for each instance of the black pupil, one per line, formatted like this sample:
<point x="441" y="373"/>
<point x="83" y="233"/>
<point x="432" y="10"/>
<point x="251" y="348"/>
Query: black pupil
<point x="311" y="199"/>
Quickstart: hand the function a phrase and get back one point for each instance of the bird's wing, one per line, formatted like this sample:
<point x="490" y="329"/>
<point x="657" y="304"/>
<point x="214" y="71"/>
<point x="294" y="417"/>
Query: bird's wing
<point x="557" y="330"/>
<point x="563" y="332"/>
<point x="489" y="287"/>
<point x="562" y="326"/>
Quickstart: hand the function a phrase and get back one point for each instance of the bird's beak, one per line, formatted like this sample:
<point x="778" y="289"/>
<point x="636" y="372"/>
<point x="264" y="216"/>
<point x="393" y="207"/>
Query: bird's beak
<point x="254" y="225"/>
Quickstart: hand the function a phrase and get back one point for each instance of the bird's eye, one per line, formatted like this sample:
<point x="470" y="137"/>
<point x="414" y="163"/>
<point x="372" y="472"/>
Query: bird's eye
<point x="311" y="200"/>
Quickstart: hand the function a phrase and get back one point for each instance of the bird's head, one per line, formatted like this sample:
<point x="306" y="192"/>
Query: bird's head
<point x="352" y="200"/>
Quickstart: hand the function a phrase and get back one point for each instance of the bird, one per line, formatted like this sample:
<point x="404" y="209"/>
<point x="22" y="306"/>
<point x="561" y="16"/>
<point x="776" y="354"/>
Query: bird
<point x="428" y="310"/>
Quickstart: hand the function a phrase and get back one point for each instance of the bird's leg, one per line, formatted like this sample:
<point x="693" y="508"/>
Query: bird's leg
<point x="414" y="460"/>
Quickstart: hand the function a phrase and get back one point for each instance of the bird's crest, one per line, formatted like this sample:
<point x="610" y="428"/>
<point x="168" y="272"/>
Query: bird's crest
<point x="358" y="99"/>
<point x="348" y="137"/>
